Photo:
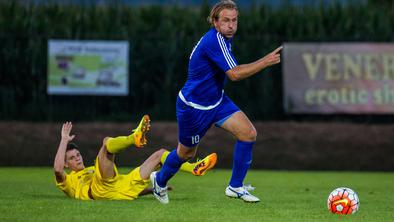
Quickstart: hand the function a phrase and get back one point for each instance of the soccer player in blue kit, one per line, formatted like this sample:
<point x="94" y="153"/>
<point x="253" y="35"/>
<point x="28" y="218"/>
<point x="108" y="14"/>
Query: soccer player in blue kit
<point x="202" y="102"/>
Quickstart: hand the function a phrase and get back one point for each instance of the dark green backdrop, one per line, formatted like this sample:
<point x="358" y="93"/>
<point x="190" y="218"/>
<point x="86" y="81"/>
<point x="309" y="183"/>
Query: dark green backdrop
<point x="161" y="38"/>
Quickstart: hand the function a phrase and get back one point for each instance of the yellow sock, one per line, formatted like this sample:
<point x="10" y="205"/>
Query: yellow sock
<point x="164" y="157"/>
<point x="186" y="166"/>
<point x="120" y="143"/>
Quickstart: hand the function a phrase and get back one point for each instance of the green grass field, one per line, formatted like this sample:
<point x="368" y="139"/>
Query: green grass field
<point x="29" y="194"/>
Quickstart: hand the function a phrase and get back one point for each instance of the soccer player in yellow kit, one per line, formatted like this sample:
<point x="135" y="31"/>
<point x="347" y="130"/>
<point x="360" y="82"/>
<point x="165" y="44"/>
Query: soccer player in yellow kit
<point x="102" y="181"/>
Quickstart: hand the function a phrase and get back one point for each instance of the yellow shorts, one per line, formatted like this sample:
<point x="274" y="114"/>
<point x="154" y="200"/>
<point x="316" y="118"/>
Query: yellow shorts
<point x="120" y="187"/>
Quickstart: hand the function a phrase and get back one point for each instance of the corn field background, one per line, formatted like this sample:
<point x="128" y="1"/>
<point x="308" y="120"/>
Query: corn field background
<point x="161" y="39"/>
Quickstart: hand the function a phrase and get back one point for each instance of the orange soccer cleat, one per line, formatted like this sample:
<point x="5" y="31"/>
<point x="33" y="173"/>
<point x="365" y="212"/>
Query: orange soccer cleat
<point x="205" y="164"/>
<point x="139" y="133"/>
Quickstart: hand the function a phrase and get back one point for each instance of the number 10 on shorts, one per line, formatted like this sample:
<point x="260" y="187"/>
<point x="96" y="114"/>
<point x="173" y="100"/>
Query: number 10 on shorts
<point x="195" y="139"/>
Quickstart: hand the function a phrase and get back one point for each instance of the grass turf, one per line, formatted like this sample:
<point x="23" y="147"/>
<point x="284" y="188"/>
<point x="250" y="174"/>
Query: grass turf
<point x="29" y="194"/>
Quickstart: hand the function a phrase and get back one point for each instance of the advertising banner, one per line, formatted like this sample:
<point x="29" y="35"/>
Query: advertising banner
<point x="349" y="78"/>
<point x="88" y="67"/>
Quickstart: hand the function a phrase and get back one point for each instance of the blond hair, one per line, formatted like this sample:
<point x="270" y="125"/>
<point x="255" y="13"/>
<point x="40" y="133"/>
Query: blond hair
<point x="218" y="7"/>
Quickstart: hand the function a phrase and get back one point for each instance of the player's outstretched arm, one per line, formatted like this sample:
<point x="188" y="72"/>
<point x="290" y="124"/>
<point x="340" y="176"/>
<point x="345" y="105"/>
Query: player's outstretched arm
<point x="58" y="165"/>
<point x="244" y="71"/>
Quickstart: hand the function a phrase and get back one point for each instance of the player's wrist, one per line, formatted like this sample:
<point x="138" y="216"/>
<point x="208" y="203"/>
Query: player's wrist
<point x="65" y="140"/>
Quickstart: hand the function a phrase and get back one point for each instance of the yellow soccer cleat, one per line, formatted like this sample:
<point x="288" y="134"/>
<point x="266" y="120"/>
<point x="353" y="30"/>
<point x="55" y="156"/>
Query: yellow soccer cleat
<point x="139" y="134"/>
<point x="205" y="164"/>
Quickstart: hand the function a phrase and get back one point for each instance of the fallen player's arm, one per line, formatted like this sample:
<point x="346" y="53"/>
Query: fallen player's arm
<point x="58" y="165"/>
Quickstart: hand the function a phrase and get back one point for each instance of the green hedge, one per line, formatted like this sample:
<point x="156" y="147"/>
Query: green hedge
<point x="161" y="39"/>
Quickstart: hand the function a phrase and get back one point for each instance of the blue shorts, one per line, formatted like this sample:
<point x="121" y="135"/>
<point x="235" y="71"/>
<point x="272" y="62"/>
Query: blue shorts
<point x="194" y="123"/>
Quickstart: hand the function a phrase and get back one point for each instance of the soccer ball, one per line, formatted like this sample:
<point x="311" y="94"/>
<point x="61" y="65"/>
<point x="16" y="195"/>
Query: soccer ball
<point x="343" y="200"/>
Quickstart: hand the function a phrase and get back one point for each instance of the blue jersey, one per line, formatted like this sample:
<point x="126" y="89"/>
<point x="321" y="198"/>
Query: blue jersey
<point x="209" y="61"/>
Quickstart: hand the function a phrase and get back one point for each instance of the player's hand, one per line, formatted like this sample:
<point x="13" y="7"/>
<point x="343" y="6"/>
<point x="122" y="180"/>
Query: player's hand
<point x="66" y="129"/>
<point x="273" y="57"/>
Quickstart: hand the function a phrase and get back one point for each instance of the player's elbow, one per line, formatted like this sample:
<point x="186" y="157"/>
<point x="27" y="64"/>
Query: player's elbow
<point x="234" y="78"/>
<point x="233" y="75"/>
<point x="58" y="169"/>
<point x="59" y="175"/>
<point x="58" y="172"/>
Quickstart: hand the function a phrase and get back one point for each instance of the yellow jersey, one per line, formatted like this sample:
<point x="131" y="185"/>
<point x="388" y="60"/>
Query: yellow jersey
<point x="88" y="184"/>
<point x="77" y="184"/>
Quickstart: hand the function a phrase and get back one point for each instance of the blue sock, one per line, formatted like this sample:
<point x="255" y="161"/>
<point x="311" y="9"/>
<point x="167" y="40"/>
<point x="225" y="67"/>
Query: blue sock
<point x="169" y="168"/>
<point x="241" y="163"/>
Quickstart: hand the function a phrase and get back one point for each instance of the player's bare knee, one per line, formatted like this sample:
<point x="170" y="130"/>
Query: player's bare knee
<point x="103" y="148"/>
<point x="161" y="151"/>
<point x="105" y="140"/>
<point x="253" y="134"/>
<point x="249" y="135"/>
<point x="158" y="154"/>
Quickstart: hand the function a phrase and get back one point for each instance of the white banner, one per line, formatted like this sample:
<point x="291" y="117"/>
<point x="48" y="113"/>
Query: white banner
<point x="88" y="67"/>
